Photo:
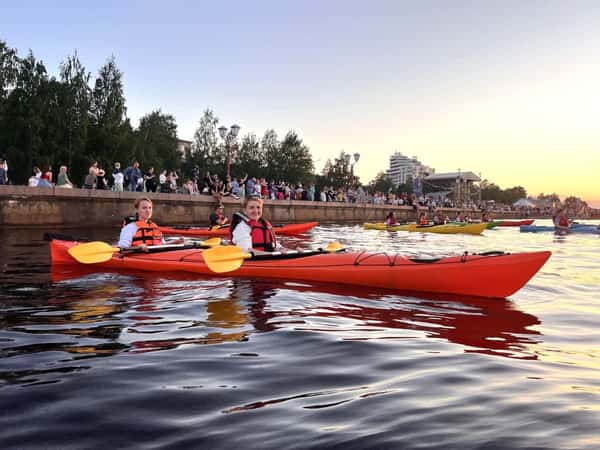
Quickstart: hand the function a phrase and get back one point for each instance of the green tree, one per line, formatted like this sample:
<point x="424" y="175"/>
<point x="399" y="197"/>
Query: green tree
<point x="550" y="200"/>
<point x="8" y="70"/>
<point x="271" y="148"/>
<point x="381" y="183"/>
<point x="205" y="152"/>
<point x="513" y="194"/>
<point x="110" y="137"/>
<point x="408" y="187"/>
<point x="575" y="205"/>
<point x="156" y="142"/>
<point x="249" y="158"/>
<point x="337" y="173"/>
<point x="75" y="107"/>
<point x="23" y="119"/>
<point x="491" y="191"/>
<point x="294" y="161"/>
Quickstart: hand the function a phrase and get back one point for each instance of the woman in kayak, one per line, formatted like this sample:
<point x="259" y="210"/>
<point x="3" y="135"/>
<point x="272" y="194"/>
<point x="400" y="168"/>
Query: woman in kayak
<point x="423" y="221"/>
<point x="390" y="219"/>
<point x="561" y="221"/>
<point x="141" y="231"/>
<point x="250" y="231"/>
<point x="438" y="218"/>
<point x="217" y="219"/>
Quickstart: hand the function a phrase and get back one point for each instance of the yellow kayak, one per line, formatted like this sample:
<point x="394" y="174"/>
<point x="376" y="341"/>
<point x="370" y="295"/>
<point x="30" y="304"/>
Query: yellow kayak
<point x="382" y="226"/>
<point x="450" y="228"/>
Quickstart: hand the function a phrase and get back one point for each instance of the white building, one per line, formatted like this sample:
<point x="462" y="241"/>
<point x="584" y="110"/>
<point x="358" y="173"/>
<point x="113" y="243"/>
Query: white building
<point x="402" y="168"/>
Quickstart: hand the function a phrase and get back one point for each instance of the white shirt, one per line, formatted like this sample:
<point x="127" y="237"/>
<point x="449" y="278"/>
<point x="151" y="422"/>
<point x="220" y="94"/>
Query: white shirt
<point x="162" y="178"/>
<point x="242" y="237"/>
<point x="127" y="233"/>
<point x="118" y="177"/>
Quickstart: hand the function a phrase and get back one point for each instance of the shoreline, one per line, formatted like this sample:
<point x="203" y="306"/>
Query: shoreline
<point x="58" y="207"/>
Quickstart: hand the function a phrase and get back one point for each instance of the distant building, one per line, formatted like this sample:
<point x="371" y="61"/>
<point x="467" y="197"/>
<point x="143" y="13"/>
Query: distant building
<point x="182" y="146"/>
<point x="457" y="186"/>
<point x="402" y="168"/>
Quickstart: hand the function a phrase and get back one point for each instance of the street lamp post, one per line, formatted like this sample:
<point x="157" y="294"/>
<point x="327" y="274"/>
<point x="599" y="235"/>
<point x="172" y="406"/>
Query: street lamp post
<point x="347" y="157"/>
<point x="228" y="135"/>
<point x="356" y="158"/>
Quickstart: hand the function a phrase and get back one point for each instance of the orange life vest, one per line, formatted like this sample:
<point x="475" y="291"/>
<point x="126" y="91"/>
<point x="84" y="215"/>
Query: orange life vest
<point x="147" y="233"/>
<point x="423" y="221"/>
<point x="262" y="234"/>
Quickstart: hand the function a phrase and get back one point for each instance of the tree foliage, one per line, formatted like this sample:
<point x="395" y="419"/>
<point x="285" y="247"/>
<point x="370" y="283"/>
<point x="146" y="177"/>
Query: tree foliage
<point x="111" y="134"/>
<point x="75" y="120"/>
<point x="156" y="141"/>
<point x="338" y="174"/>
<point x="75" y="111"/>
<point x="249" y="158"/>
<point x="294" y="162"/>
<point x="491" y="191"/>
<point x="381" y="183"/>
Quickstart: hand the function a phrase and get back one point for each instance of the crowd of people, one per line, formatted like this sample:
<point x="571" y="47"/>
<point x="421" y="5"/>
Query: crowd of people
<point x="133" y="179"/>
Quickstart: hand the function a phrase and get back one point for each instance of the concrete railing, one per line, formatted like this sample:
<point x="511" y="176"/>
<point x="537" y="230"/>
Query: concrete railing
<point x="33" y="206"/>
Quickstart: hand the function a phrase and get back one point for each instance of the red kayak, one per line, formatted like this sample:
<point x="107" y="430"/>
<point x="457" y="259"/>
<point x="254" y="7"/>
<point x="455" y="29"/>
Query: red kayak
<point x="514" y="223"/>
<point x="495" y="274"/>
<point x="282" y="230"/>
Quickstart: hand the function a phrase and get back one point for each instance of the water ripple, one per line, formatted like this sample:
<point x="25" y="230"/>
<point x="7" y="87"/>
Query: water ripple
<point x="225" y="363"/>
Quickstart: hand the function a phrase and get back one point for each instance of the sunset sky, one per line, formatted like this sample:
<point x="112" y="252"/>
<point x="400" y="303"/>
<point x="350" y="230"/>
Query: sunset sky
<point x="507" y="89"/>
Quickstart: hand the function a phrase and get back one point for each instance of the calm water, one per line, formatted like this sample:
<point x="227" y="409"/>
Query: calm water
<point x="175" y="361"/>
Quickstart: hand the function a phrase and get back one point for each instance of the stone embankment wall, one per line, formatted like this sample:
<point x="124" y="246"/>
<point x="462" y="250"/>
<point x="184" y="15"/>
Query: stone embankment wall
<point x="33" y="206"/>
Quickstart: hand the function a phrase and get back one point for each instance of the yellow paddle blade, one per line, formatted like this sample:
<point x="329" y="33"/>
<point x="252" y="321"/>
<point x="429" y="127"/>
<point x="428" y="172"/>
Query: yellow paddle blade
<point x="212" y="242"/>
<point x="224" y="259"/>
<point x="92" y="252"/>
<point x="333" y="247"/>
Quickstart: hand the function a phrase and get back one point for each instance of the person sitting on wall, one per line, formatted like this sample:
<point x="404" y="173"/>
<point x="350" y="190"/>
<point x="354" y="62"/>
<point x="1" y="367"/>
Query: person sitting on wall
<point x="217" y="219"/>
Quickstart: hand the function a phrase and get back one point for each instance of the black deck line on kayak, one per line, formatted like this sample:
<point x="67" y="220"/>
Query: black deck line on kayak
<point x="464" y="258"/>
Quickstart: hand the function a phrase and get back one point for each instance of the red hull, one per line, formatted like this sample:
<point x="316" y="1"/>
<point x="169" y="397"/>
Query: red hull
<point x="472" y="275"/>
<point x="515" y="223"/>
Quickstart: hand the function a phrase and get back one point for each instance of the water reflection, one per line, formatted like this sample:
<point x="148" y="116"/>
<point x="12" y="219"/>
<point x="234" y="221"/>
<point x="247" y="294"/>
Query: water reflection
<point x="107" y="314"/>
<point x="494" y="327"/>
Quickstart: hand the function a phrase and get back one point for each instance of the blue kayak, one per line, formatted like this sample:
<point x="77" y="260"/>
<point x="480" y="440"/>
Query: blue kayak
<point x="575" y="228"/>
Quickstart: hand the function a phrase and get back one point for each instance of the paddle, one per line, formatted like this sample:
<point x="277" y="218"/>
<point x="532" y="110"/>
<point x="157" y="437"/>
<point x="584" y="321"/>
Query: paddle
<point x="97" y="252"/>
<point x="229" y="258"/>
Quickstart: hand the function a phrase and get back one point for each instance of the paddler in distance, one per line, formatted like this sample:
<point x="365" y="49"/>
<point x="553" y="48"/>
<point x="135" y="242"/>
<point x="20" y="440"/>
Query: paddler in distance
<point x="141" y="231"/>
<point x="561" y="221"/>
<point x="217" y="219"/>
<point x="390" y="219"/>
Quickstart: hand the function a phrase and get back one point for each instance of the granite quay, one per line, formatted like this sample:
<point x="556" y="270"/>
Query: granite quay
<point x="56" y="207"/>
